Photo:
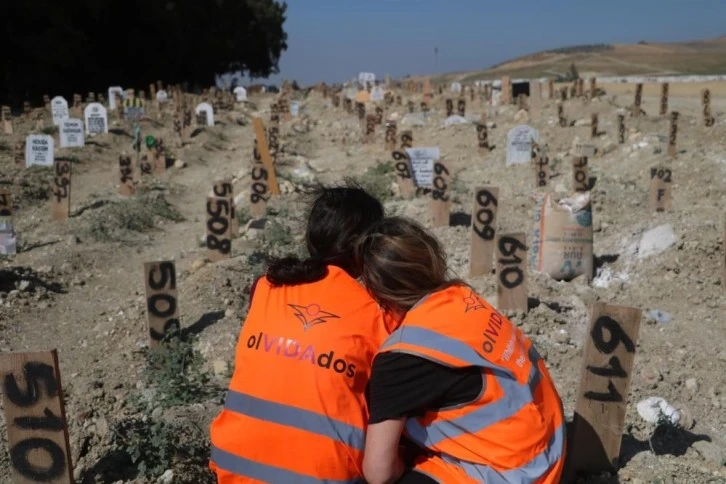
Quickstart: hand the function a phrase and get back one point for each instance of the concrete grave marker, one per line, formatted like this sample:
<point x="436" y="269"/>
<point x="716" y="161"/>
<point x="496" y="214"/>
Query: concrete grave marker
<point x="483" y="230"/>
<point x="59" y="109"/>
<point x="207" y="110"/>
<point x="72" y="134"/>
<point x="162" y="96"/>
<point x="240" y="94"/>
<point x="116" y="95"/>
<point x="519" y="144"/>
<point x="39" y="150"/>
<point x="96" y="119"/>
<point x="422" y="165"/>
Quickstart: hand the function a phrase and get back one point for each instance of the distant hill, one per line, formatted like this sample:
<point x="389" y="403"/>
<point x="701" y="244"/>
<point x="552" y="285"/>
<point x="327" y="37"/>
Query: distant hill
<point x="695" y="57"/>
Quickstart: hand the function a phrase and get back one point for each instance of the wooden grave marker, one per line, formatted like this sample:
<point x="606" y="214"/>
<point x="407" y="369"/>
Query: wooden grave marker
<point x="259" y="188"/>
<point x="224" y="189"/>
<point x="482" y="136"/>
<point x="708" y="119"/>
<point x="391" y="129"/>
<point x="506" y="90"/>
<point x="440" y="196"/>
<point x="126" y="170"/>
<point x="660" y="194"/>
<point x="603" y="391"/>
<point x="274" y="188"/>
<point x="483" y="230"/>
<point x="219" y="228"/>
<point x="593" y="126"/>
<point x="580" y="174"/>
<point x="19" y="150"/>
<point x="542" y="171"/>
<point x="664" y="99"/>
<point x="406" y="139"/>
<point x="449" y="107"/>
<point x="461" y="107"/>
<point x="7" y="120"/>
<point x="379" y="115"/>
<point x="638" y="99"/>
<point x="551" y="89"/>
<point x="621" y="128"/>
<point x="162" y="305"/>
<point x="511" y="272"/>
<point x="360" y="109"/>
<point x="35" y="418"/>
<point x="673" y="134"/>
<point x="593" y="87"/>
<point x="6" y="204"/>
<point x="404" y="173"/>
<point x="61" y="201"/>
<point x="370" y="128"/>
<point x="411" y="107"/>
<point x="561" y="115"/>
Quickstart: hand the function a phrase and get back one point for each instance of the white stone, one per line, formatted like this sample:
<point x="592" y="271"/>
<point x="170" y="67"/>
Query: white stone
<point x="162" y="96"/>
<point x="59" y="108"/>
<point x="656" y="240"/>
<point x="519" y="144"/>
<point x="692" y="385"/>
<point x="240" y="94"/>
<point x="209" y="112"/>
<point x="96" y="118"/>
<point x="39" y="150"/>
<point x="72" y="134"/>
<point x="167" y="477"/>
<point x="377" y="94"/>
<point x="653" y="409"/>
<point x="455" y="87"/>
<point x="113" y="93"/>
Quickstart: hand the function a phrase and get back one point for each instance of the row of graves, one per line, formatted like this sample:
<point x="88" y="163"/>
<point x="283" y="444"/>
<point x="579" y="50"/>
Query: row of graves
<point x="561" y="246"/>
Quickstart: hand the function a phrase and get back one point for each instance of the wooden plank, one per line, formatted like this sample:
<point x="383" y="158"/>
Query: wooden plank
<point x="126" y="170"/>
<point x="440" y="205"/>
<point x="673" y="134"/>
<point x="621" y="128"/>
<point x="404" y="173"/>
<point x="35" y="418"/>
<point x="580" y="175"/>
<point x="162" y="304"/>
<point x="259" y="187"/>
<point x="223" y="188"/>
<point x="6" y="204"/>
<point x="512" y="272"/>
<point x="541" y="171"/>
<point x="659" y="198"/>
<point x="593" y="126"/>
<point x="219" y="233"/>
<point x="603" y="391"/>
<point x="406" y="139"/>
<point x="265" y="155"/>
<point x="391" y="129"/>
<point x="61" y="201"/>
<point x="370" y="128"/>
<point x="483" y="230"/>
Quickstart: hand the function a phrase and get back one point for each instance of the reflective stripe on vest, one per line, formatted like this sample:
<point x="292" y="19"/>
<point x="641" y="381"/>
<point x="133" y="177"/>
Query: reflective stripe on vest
<point x="295" y="417"/>
<point x="516" y="395"/>
<point x="264" y="472"/>
<point x="528" y="473"/>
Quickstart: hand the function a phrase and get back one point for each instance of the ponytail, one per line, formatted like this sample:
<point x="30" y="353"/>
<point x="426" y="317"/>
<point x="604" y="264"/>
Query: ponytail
<point x="291" y="271"/>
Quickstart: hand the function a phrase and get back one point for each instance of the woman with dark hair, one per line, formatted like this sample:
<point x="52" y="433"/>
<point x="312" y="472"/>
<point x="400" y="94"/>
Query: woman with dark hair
<point x="464" y="383"/>
<point x="296" y="409"/>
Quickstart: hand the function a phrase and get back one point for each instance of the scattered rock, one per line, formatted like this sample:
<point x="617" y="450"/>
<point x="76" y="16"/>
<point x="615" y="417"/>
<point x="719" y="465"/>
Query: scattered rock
<point x="656" y="240"/>
<point x="692" y="385"/>
<point x="179" y="164"/>
<point x="167" y="477"/>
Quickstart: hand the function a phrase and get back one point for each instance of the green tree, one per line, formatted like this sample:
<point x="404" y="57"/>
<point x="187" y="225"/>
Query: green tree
<point x="77" y="46"/>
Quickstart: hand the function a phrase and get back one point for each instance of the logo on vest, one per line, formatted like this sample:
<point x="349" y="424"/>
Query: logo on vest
<point x="311" y="315"/>
<point x="292" y="349"/>
<point x="473" y="302"/>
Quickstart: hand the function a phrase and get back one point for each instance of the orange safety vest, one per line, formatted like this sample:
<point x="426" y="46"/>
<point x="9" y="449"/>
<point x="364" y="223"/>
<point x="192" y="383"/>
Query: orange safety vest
<point x="296" y="408"/>
<point x="514" y="432"/>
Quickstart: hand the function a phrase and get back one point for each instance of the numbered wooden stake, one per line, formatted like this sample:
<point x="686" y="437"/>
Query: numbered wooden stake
<point x="603" y="392"/>
<point x="660" y="189"/>
<point x="511" y="272"/>
<point x="7" y="120"/>
<point x="126" y="170"/>
<point x="638" y="99"/>
<point x="35" y="418"/>
<point x="483" y="230"/>
<point x="265" y="155"/>
<point x="441" y="196"/>
<point x="411" y="106"/>
<point x="461" y="107"/>
<point x="561" y="115"/>
<point x="482" y="136"/>
<point x="6" y="205"/>
<point x="551" y="89"/>
<point x="219" y="228"/>
<point x="406" y="139"/>
<point x="673" y="134"/>
<point x="621" y="128"/>
<point x="360" y="108"/>
<point x="370" y="128"/>
<point x="708" y="120"/>
<point x="580" y="175"/>
<point x="223" y="189"/>
<point x="61" y="202"/>
<point x="449" y="107"/>
<point x="161" y="300"/>
<point x="542" y="171"/>
<point x="664" y="99"/>
<point x="593" y="87"/>
<point x="391" y="129"/>
<point x="20" y="152"/>
<point x="402" y="165"/>
<point x="593" y="126"/>
<point x="259" y="188"/>
<point x="379" y="115"/>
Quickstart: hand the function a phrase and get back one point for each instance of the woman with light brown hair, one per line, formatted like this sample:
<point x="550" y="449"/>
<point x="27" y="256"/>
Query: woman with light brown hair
<point x="462" y="382"/>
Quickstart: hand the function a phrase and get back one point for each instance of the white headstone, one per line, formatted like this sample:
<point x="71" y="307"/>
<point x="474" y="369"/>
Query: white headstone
<point x="241" y="94"/>
<point x="72" y="134"/>
<point x="365" y="78"/>
<point x="207" y="109"/>
<point x="162" y="96"/>
<point x="59" y="108"/>
<point x="96" y="118"/>
<point x="455" y="87"/>
<point x="422" y="164"/>
<point x="377" y="94"/>
<point x="39" y="150"/>
<point x="295" y="108"/>
<point x="519" y="144"/>
<point x="115" y="92"/>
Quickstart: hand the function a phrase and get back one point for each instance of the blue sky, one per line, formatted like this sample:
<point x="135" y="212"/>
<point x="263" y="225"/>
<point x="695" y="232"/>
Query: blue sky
<point x="332" y="40"/>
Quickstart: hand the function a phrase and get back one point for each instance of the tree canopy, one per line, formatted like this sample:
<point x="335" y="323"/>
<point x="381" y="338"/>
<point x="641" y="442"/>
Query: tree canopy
<point x="79" y="46"/>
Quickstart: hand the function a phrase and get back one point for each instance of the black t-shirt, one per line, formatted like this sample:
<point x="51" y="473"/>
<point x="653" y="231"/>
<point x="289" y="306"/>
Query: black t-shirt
<point x="404" y="385"/>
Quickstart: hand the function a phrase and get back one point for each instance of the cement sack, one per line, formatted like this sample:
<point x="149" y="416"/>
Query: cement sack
<point x="562" y="238"/>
